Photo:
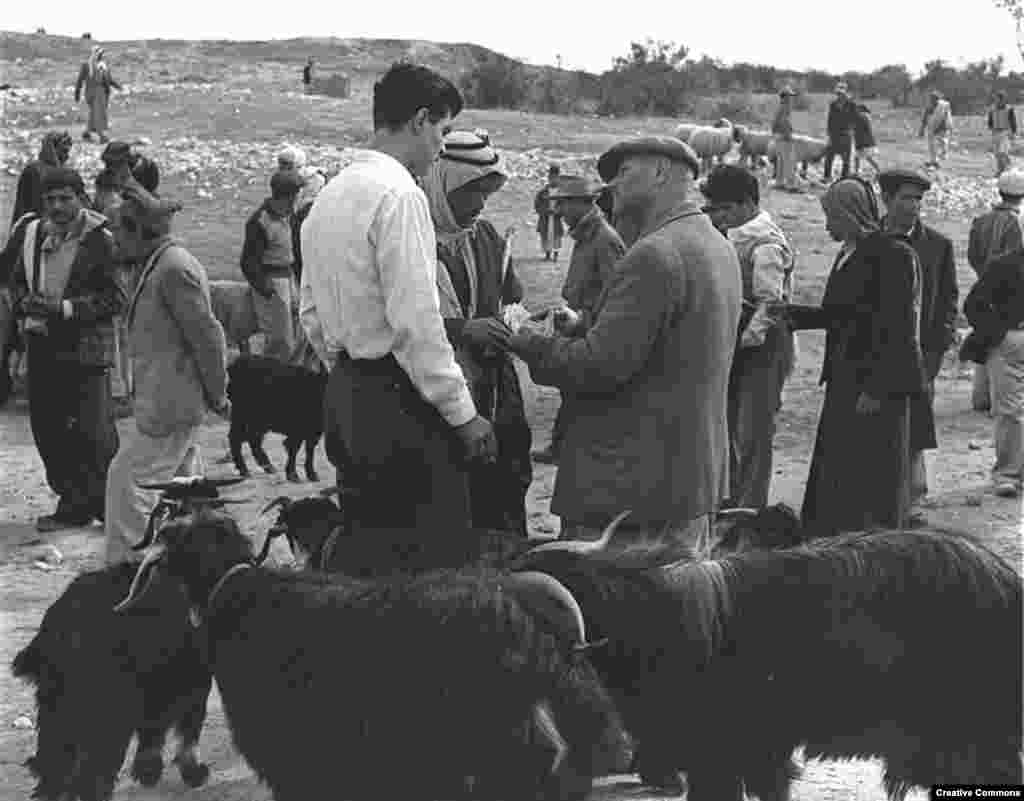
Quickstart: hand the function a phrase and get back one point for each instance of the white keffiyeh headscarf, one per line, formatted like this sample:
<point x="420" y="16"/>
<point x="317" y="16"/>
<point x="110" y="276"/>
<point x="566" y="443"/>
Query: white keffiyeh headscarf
<point x="468" y="156"/>
<point x="96" y="62"/>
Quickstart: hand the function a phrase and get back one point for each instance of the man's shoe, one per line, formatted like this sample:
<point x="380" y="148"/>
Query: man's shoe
<point x="1007" y="489"/>
<point x="50" y="523"/>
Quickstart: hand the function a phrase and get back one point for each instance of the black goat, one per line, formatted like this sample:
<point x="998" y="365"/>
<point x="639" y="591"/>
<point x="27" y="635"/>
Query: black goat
<point x="101" y="677"/>
<point x="269" y="395"/>
<point x="320" y="536"/>
<point x="415" y="684"/>
<point x="904" y="646"/>
<point x="770" y="528"/>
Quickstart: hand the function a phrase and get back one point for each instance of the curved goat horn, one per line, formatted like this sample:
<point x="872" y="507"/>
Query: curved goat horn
<point x="281" y="500"/>
<point x="738" y="513"/>
<point x="584" y="547"/>
<point x="549" y="598"/>
<point x="272" y="534"/>
<point x="143" y="577"/>
<point x="161" y="507"/>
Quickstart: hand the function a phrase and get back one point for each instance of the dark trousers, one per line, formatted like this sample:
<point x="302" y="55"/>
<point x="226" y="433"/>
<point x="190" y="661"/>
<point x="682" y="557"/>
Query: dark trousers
<point x="844" y="151"/>
<point x="72" y="420"/>
<point x="403" y="462"/>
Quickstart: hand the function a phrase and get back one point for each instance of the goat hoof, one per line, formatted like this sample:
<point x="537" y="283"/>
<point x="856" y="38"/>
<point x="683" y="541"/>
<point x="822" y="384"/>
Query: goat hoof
<point x="269" y="469"/>
<point x="194" y="774"/>
<point x="244" y="473"/>
<point x="294" y="478"/>
<point x="148" y="768"/>
<point x="312" y="475"/>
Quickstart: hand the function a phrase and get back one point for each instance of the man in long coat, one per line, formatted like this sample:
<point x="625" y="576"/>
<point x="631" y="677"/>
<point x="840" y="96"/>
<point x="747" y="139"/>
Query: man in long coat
<point x="645" y="384"/>
<point x="902" y="191"/>
<point x="94" y="76"/>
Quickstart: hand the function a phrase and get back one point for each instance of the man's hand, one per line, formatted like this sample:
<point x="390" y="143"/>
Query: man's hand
<point x="478" y="441"/>
<point x="868" y="405"/>
<point x="487" y="332"/>
<point x="565" y="320"/>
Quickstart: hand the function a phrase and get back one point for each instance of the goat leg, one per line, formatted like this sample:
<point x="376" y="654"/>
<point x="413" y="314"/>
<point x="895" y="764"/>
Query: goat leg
<point x="193" y="771"/>
<point x="148" y="765"/>
<point x="235" y="439"/>
<point x="260" y="455"/>
<point x="311" y="473"/>
<point x="291" y="446"/>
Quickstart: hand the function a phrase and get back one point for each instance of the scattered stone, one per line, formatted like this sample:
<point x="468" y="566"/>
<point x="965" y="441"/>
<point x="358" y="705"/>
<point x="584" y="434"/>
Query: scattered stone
<point x="23" y="722"/>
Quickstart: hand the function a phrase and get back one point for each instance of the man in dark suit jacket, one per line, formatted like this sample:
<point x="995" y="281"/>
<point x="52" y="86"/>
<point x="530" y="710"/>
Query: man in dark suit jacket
<point x="64" y="279"/>
<point x="902" y="192"/>
<point x="841" y="113"/>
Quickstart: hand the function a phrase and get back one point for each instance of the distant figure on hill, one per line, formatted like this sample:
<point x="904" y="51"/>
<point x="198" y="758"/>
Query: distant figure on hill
<point x="1002" y="122"/>
<point x="307" y="74"/>
<point x="866" y="148"/>
<point x="549" y="224"/>
<point x="785" y="147"/>
<point x="53" y="152"/>
<point x="96" y="78"/>
<point x="840" y="124"/>
<point x="937" y="123"/>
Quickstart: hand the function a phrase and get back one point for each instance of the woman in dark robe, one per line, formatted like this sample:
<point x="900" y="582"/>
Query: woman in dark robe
<point x="860" y="470"/>
<point x="475" y="281"/>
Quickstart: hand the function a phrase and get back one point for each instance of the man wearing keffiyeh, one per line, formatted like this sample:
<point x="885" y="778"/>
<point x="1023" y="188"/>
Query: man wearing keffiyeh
<point x="95" y="77"/>
<point x="474" y="281"/>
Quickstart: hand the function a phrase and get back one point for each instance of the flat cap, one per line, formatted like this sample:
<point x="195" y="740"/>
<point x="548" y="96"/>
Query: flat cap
<point x="286" y="182"/>
<point x="892" y="179"/>
<point x="575" y="186"/>
<point x="668" y="146"/>
<point x="62" y="178"/>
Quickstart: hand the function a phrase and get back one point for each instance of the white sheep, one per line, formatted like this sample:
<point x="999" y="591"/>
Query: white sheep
<point x="809" y="150"/>
<point x="754" y="145"/>
<point x="683" y="131"/>
<point x="711" y="143"/>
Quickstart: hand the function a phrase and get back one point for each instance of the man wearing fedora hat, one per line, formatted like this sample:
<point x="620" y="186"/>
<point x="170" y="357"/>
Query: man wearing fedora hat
<point x="645" y="379"/>
<point x="597" y="248"/>
<point x="993" y="234"/>
<point x="902" y="193"/>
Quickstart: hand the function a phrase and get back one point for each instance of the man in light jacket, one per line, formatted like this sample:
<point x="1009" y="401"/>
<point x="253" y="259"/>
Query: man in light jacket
<point x="764" y="352"/>
<point x="645" y="383"/>
<point x="179" y="362"/>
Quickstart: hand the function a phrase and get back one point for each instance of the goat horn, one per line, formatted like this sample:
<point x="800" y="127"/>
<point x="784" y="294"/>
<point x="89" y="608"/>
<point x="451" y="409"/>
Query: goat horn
<point x="550" y="598"/>
<point x="147" y="536"/>
<point x="143" y="577"/>
<point x="331" y="492"/>
<point x="737" y="514"/>
<point x="272" y="534"/>
<point x="584" y="547"/>
<point x="281" y="500"/>
<point x="545" y="722"/>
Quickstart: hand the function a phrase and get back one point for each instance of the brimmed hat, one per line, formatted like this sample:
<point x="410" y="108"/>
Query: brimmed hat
<point x="668" y="146"/>
<point x="891" y="180"/>
<point x="1011" y="182"/>
<point x="470" y="147"/>
<point x="570" y="186"/>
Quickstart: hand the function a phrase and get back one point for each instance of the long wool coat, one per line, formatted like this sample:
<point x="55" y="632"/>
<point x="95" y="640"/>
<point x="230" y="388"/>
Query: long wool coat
<point x="645" y="387"/>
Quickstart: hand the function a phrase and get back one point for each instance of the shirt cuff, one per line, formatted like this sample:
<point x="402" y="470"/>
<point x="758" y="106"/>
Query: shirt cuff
<point x="67" y="308"/>
<point x="460" y="411"/>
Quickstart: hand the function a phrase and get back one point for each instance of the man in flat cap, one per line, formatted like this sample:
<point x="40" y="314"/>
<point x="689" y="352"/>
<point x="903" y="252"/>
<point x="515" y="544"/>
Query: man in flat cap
<point x="937" y="124"/>
<point x="597" y="248"/>
<point x="179" y="364"/>
<point x="994" y="233"/>
<point x="64" y="279"/>
<point x="267" y="261"/>
<point x="644" y="381"/>
<point x="764" y="350"/>
<point x="902" y="193"/>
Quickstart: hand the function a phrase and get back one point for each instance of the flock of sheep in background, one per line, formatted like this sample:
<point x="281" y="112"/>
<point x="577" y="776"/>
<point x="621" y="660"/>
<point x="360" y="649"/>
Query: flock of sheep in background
<point x="516" y="672"/>
<point x="713" y="143"/>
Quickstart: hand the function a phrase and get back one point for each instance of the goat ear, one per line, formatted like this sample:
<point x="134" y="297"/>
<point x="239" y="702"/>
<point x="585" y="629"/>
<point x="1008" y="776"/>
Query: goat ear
<point x="143" y="578"/>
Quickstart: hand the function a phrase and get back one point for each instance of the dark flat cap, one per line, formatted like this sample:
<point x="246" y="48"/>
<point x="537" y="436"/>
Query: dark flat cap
<point x="62" y="178"/>
<point x="892" y="180"/>
<point x="116" y="153"/>
<point x="668" y="146"/>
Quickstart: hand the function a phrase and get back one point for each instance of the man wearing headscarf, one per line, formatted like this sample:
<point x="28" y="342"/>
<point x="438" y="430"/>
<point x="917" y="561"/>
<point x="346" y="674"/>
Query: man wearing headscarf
<point x="902" y="193"/>
<point x="475" y="279"/>
<point x="860" y="471"/>
<point x="53" y="152"/>
<point x="645" y="383"/>
<point x="179" y="362"/>
<point x="63" y="276"/>
<point x="95" y="77"/>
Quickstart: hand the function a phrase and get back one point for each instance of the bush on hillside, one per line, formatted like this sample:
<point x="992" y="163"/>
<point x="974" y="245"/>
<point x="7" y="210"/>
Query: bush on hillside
<point x="495" y="82"/>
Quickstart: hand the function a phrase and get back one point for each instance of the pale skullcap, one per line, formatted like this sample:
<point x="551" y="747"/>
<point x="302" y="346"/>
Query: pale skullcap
<point x="1011" y="183"/>
<point x="470" y="147"/>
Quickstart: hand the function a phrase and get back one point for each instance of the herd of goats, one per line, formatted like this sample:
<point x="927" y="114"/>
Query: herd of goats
<point x="495" y="669"/>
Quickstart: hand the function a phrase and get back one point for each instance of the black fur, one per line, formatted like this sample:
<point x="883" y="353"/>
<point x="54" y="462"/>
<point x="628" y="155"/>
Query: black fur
<point x="404" y="687"/>
<point x="901" y="646"/>
<point x="269" y="395"/>
<point x="101" y="677"/>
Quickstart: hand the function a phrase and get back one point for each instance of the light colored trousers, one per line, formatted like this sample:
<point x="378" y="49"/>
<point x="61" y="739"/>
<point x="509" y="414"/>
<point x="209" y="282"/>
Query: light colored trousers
<point x="785" y="154"/>
<point x="275" y="318"/>
<point x="938" y="146"/>
<point x="1006" y="372"/>
<point x="694" y="533"/>
<point x="140" y="459"/>
<point x="1001" y="150"/>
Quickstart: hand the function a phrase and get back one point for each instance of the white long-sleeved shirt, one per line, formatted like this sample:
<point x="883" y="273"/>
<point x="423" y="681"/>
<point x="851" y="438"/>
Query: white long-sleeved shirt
<point x="766" y="259"/>
<point x="369" y="280"/>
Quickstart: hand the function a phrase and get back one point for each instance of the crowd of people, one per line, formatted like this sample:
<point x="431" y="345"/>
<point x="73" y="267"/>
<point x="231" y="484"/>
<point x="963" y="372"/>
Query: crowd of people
<point x="669" y="351"/>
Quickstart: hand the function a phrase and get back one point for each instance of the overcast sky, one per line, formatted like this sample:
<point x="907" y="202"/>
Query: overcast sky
<point x="785" y="33"/>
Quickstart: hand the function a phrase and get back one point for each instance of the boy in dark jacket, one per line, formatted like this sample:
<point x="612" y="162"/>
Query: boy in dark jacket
<point x="864" y="139"/>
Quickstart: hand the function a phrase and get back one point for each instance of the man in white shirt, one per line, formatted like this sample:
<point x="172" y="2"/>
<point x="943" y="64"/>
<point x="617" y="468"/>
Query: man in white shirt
<point x="369" y="303"/>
